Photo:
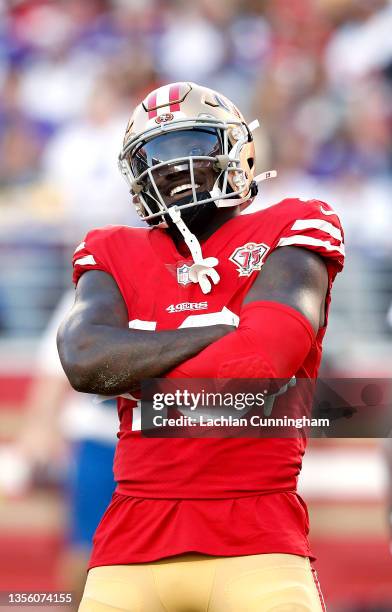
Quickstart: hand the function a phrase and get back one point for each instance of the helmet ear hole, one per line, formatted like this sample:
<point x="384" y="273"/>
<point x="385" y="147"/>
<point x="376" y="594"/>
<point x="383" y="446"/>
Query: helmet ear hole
<point x="254" y="189"/>
<point x="251" y="162"/>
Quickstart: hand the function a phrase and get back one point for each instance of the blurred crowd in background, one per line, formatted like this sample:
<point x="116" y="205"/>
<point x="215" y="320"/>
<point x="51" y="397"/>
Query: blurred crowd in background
<point x="316" y="73"/>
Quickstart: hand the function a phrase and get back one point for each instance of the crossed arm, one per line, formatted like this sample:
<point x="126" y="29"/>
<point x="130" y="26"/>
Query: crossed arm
<point x="101" y="355"/>
<point x="279" y="320"/>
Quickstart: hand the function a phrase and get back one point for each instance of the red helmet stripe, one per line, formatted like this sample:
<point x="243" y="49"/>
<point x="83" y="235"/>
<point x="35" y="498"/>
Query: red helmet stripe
<point x="151" y="103"/>
<point x="174" y="94"/>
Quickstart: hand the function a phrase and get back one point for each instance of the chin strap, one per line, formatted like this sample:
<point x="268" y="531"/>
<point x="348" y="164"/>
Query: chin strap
<point x="203" y="270"/>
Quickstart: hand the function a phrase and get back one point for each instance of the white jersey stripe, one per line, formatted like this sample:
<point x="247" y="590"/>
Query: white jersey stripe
<point x="324" y="226"/>
<point x="300" y="240"/>
<point x="87" y="260"/>
<point x="327" y="212"/>
<point x="140" y="324"/>
<point x="80" y="247"/>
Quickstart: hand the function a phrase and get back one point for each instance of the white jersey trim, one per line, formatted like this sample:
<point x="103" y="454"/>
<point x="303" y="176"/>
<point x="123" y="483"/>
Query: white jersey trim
<point x="319" y="224"/>
<point x="79" y="247"/>
<point x="327" y="212"/>
<point x="139" y="324"/>
<point x="224" y="317"/>
<point x="87" y="260"/>
<point x="300" y="240"/>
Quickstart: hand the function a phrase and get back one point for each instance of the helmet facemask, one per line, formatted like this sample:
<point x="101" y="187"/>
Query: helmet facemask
<point x="186" y="164"/>
<point x="188" y="151"/>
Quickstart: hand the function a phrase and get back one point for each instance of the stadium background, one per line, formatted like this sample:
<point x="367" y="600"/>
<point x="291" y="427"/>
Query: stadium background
<point x="318" y="74"/>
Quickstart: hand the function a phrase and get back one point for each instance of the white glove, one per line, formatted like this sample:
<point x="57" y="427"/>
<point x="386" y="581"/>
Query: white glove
<point x="203" y="271"/>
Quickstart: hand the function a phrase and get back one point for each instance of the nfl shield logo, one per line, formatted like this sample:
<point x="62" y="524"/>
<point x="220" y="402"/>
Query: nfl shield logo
<point x="183" y="275"/>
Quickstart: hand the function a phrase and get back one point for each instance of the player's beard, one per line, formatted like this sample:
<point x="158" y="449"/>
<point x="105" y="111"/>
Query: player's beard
<point x="197" y="218"/>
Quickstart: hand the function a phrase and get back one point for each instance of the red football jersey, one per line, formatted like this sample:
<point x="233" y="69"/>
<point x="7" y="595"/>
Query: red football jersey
<point x="219" y="496"/>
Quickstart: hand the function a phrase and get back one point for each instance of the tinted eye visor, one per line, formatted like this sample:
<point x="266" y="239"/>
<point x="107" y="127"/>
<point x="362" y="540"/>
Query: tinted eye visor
<point x="174" y="145"/>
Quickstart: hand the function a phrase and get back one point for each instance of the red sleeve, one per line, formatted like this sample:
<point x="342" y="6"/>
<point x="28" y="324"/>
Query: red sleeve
<point x="254" y="349"/>
<point x="90" y="255"/>
<point x="314" y="225"/>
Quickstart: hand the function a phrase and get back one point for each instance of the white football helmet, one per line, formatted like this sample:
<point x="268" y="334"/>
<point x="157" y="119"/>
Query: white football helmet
<point x="187" y="145"/>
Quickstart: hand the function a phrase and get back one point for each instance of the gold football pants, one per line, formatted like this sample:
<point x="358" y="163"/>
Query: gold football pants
<point x="199" y="583"/>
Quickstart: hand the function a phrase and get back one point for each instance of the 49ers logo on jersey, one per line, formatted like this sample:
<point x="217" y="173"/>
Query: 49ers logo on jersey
<point x="187" y="306"/>
<point x="249" y="257"/>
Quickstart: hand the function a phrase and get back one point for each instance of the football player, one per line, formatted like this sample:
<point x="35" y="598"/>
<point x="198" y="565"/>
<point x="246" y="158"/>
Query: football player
<point x="203" y="291"/>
